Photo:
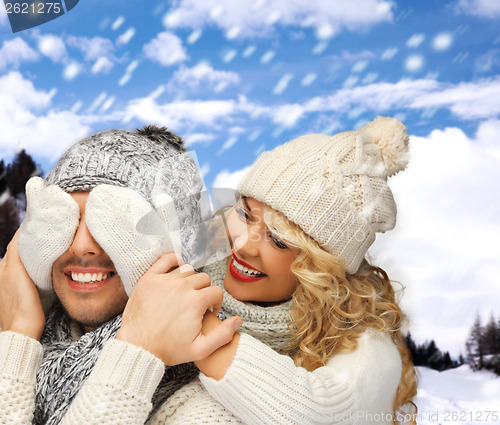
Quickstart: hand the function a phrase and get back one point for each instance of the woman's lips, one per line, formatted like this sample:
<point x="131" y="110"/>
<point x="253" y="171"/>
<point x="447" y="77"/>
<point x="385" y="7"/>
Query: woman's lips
<point x="243" y="271"/>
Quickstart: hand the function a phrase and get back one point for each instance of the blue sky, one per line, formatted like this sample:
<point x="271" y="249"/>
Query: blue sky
<point x="237" y="78"/>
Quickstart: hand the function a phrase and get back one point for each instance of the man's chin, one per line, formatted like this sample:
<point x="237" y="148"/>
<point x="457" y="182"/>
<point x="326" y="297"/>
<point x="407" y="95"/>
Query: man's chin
<point x="91" y="309"/>
<point x="90" y="320"/>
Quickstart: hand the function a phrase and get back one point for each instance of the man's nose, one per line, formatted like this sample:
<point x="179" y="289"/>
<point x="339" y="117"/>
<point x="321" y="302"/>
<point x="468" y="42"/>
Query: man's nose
<point x="84" y="245"/>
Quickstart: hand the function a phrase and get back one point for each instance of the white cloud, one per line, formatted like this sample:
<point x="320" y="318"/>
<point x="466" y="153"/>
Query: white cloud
<point x="414" y="63"/>
<point x="442" y="41"/>
<point x="484" y="8"/>
<point x="107" y="104"/>
<point x="467" y="101"/>
<point x="3" y="17"/>
<point x="370" y="78"/>
<point x="444" y="247"/>
<point x="199" y="138"/>
<point x="282" y="83"/>
<point x="355" y="57"/>
<point x="53" y="47"/>
<point x="202" y="75"/>
<point x="102" y="65"/>
<point x="246" y="18"/>
<point x="288" y="115"/>
<point x="487" y="62"/>
<point x="267" y="57"/>
<point x="229" y="55"/>
<point x="94" y="48"/>
<point x="249" y="51"/>
<point x="71" y="71"/>
<point x="118" y="23"/>
<point x="415" y="40"/>
<point x="319" y="48"/>
<point x="194" y="36"/>
<point x="359" y="66"/>
<point x="308" y="79"/>
<point x="97" y="102"/>
<point x="28" y="120"/>
<point x="128" y="73"/>
<point x="471" y="100"/>
<point x="389" y="53"/>
<point x="228" y="179"/>
<point x="16" y="51"/>
<point x="166" y="48"/>
<point x="229" y="143"/>
<point x="180" y="113"/>
<point x="125" y="37"/>
<point x="350" y="81"/>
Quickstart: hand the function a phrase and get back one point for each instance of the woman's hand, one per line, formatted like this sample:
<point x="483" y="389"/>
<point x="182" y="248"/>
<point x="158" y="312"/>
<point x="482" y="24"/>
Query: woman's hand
<point x="165" y="312"/>
<point x="20" y="306"/>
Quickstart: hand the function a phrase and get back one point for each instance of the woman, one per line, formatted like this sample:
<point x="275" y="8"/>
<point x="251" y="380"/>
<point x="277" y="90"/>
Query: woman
<point x="299" y="279"/>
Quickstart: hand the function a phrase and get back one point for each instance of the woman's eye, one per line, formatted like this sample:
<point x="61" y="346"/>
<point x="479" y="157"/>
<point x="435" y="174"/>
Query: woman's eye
<point x="279" y="244"/>
<point x="243" y="214"/>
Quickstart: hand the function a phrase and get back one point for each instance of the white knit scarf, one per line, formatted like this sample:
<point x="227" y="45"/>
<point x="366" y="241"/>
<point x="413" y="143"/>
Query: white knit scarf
<point x="68" y="363"/>
<point x="267" y="324"/>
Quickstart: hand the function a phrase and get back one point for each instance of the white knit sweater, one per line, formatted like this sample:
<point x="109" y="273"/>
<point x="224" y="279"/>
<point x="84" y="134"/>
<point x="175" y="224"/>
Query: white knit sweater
<point x="260" y="387"/>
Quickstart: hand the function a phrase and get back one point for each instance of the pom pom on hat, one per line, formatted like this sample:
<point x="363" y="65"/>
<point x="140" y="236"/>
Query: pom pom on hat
<point x="391" y="138"/>
<point x="334" y="187"/>
<point x="162" y="136"/>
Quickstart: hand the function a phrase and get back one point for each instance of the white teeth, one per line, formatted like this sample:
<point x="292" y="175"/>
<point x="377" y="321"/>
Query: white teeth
<point x="246" y="270"/>
<point x="87" y="277"/>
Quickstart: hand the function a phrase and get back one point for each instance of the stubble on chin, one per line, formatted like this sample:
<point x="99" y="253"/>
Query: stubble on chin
<point x="89" y="310"/>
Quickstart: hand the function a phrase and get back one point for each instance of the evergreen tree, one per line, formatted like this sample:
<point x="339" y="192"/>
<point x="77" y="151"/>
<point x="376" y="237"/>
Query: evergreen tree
<point x="448" y="363"/>
<point x="3" y="179"/>
<point x="429" y="355"/>
<point x="490" y="337"/>
<point x="474" y="345"/>
<point x="411" y="346"/>
<point x="19" y="172"/>
<point x="13" y="178"/>
<point x="9" y="222"/>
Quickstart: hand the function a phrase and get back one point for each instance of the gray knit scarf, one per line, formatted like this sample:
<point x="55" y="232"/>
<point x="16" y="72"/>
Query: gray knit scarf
<point x="68" y="363"/>
<point x="267" y="324"/>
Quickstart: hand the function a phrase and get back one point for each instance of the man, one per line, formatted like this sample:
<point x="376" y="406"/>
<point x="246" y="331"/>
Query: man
<point x="97" y="234"/>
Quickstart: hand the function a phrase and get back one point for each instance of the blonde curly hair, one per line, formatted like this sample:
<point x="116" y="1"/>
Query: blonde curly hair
<point x="332" y="308"/>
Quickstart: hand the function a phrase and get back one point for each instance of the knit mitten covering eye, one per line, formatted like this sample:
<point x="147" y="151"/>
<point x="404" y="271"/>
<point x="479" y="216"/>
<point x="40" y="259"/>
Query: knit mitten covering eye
<point x="128" y="229"/>
<point x="47" y="232"/>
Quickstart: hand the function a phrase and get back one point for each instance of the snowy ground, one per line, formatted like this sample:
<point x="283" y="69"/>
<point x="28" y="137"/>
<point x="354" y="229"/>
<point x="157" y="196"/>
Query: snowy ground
<point x="458" y="396"/>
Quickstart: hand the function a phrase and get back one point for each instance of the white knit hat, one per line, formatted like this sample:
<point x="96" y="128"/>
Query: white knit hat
<point x="334" y="187"/>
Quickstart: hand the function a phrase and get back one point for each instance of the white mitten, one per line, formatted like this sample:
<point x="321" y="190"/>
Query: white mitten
<point x="47" y="232"/>
<point x="129" y="230"/>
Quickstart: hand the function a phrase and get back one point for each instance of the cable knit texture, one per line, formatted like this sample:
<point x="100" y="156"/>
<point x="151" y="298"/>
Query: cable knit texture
<point x="261" y="387"/>
<point x="267" y="324"/>
<point x="113" y="215"/>
<point x="160" y="191"/>
<point x="20" y="357"/>
<point x="48" y="229"/>
<point x="152" y="163"/>
<point x="334" y="187"/>
<point x="125" y="373"/>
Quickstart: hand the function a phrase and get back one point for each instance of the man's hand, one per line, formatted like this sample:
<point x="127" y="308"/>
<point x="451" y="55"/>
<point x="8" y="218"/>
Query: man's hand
<point x="20" y="306"/>
<point x="165" y="312"/>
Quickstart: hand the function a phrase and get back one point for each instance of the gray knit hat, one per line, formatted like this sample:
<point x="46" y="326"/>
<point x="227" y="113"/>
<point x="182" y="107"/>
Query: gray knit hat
<point x="151" y="161"/>
<point x="334" y="187"/>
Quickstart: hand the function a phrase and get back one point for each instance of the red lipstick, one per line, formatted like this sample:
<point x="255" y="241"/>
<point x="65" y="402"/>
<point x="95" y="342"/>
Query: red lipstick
<point x="241" y="276"/>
